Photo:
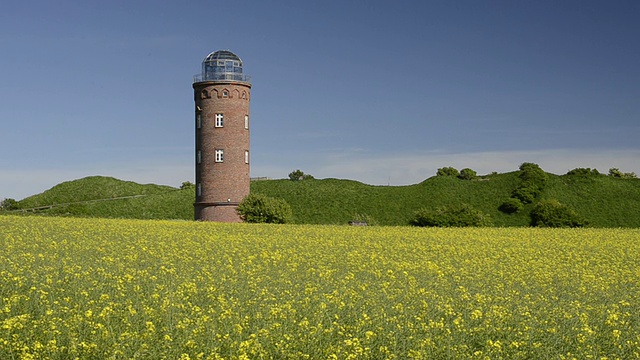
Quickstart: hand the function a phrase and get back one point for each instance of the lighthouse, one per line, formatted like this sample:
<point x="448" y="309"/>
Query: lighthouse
<point x="222" y="93"/>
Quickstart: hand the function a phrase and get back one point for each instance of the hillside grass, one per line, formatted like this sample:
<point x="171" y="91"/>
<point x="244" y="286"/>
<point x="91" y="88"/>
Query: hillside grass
<point x="97" y="196"/>
<point x="602" y="200"/>
<point x="91" y="188"/>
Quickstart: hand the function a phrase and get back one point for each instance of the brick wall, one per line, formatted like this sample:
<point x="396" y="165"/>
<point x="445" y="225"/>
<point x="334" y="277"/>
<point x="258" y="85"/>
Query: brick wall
<point x="222" y="184"/>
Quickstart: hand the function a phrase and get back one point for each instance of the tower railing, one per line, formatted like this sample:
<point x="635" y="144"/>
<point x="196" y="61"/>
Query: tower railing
<point x="221" y="76"/>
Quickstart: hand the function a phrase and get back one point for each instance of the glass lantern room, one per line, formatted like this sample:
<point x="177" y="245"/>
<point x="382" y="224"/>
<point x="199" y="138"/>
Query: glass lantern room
<point x="222" y="65"/>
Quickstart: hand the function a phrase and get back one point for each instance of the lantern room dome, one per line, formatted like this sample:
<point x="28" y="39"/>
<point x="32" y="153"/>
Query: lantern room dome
<point x="222" y="55"/>
<point x="222" y="65"/>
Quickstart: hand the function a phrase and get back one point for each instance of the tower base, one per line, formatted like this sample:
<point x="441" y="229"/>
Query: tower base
<point x="220" y="212"/>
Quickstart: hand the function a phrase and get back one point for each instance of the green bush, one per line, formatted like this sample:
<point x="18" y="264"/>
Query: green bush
<point x="298" y="175"/>
<point x="187" y="185"/>
<point x="583" y="172"/>
<point x="451" y="216"/>
<point x="258" y="208"/>
<point x="551" y="213"/>
<point x="525" y="194"/>
<point x="467" y="174"/>
<point x="511" y="206"/>
<point x="448" y="171"/>
<point x="532" y="173"/>
<point x="8" y="204"/>
<point x="614" y="172"/>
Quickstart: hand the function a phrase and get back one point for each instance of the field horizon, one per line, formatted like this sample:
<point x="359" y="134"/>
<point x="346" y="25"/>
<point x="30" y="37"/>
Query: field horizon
<point x="604" y="201"/>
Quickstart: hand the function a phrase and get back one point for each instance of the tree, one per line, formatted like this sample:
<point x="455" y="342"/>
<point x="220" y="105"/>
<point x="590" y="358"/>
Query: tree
<point x="448" y="171"/>
<point x="8" y="204"/>
<point x="187" y="185"/>
<point x="584" y="172"/>
<point x="451" y="216"/>
<point x="532" y="173"/>
<point x="298" y="175"/>
<point x="615" y="172"/>
<point x="551" y="213"/>
<point x="525" y="194"/>
<point x="467" y="174"/>
<point x="259" y="208"/>
<point x="511" y="206"/>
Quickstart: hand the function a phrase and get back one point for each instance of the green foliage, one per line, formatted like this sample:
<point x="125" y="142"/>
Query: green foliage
<point x="583" y="172"/>
<point x="298" y="175"/>
<point x="616" y="173"/>
<point x="451" y="216"/>
<point x="467" y="174"/>
<point x="511" y="206"/>
<point x="448" y="171"/>
<point x="531" y="173"/>
<point x="187" y="185"/>
<point x="8" y="204"/>
<point x="551" y="213"/>
<point x="532" y="181"/>
<point x="525" y="194"/>
<point x="258" y="208"/>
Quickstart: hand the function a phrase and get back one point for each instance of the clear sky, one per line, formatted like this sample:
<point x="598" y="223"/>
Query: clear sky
<point x="383" y="92"/>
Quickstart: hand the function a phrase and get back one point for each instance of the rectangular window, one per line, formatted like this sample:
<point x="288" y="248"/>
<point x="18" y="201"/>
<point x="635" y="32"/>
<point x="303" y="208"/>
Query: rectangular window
<point x="219" y="155"/>
<point x="199" y="156"/>
<point x="246" y="121"/>
<point x="246" y="156"/>
<point x="198" y="120"/>
<point x="199" y="189"/>
<point x="219" y="120"/>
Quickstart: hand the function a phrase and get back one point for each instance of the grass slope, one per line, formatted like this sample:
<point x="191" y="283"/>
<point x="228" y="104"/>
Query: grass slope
<point x="90" y="188"/>
<point x="602" y="200"/>
<point x="158" y="202"/>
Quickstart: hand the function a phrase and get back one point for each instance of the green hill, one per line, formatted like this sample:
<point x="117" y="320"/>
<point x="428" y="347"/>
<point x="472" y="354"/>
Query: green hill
<point x="603" y="200"/>
<point x="99" y="196"/>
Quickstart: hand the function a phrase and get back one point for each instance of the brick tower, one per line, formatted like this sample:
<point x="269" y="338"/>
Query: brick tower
<point x="221" y="93"/>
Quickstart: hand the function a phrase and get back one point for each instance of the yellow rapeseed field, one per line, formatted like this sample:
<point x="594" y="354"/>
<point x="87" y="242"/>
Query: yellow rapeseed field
<point x="121" y="289"/>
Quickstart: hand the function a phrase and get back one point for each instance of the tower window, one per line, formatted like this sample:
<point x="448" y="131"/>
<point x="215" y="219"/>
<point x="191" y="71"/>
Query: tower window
<point x="219" y="155"/>
<point x="246" y="121"/>
<point x="246" y="156"/>
<point x="199" y="157"/>
<point x="219" y="120"/>
<point x="198" y="120"/>
<point x="199" y="189"/>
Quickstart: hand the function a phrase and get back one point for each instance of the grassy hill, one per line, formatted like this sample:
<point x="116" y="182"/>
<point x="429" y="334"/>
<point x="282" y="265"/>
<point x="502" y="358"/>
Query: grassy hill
<point x="602" y="200"/>
<point x="99" y="196"/>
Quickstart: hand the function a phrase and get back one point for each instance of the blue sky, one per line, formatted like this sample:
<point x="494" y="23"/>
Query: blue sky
<point x="376" y="91"/>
